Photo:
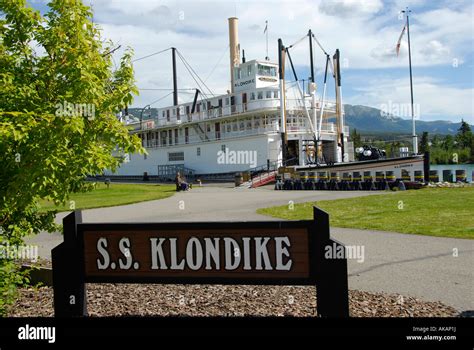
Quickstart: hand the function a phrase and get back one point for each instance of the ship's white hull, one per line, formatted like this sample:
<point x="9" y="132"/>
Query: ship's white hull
<point x="241" y="154"/>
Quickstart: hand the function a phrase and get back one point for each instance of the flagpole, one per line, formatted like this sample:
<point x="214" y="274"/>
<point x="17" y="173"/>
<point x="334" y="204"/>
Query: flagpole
<point x="266" y="34"/>
<point x="415" y="138"/>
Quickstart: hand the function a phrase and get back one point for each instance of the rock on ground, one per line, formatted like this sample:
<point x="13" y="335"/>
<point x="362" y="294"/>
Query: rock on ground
<point x="221" y="300"/>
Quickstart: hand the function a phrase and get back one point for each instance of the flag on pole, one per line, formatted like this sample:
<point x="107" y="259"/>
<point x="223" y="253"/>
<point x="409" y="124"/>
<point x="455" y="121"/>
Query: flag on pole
<point x="400" y="39"/>
<point x="266" y="27"/>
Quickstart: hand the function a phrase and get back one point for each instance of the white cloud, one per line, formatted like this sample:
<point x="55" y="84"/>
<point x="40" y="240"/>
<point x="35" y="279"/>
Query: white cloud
<point x="366" y="33"/>
<point x="434" y="99"/>
<point x="345" y="8"/>
<point x="435" y="50"/>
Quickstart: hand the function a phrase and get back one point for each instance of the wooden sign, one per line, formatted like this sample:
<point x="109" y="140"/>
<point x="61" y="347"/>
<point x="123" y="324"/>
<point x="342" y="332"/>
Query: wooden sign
<point x="273" y="252"/>
<point x="185" y="251"/>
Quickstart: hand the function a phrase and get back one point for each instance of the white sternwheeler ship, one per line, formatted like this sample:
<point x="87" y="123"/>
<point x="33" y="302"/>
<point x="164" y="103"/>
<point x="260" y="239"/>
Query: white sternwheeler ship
<point x="246" y="129"/>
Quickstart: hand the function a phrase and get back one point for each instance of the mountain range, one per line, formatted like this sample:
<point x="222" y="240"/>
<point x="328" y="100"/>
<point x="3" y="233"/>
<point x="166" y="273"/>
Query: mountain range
<point x="372" y="120"/>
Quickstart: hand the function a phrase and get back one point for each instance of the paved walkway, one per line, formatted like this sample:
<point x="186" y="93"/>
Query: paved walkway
<point x="412" y="265"/>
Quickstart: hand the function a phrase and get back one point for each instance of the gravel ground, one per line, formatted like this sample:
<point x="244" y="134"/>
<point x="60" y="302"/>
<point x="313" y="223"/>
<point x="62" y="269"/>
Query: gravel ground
<point x="218" y="300"/>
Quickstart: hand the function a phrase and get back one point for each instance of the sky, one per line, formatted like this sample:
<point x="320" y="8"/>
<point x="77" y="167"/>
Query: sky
<point x="365" y="32"/>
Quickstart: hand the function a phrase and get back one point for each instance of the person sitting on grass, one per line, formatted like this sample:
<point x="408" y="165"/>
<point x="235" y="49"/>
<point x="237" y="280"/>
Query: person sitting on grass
<point x="177" y="181"/>
<point x="184" y="185"/>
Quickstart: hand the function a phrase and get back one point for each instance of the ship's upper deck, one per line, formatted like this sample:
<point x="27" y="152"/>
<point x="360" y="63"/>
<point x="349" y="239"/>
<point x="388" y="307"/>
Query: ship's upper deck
<point x="256" y="92"/>
<point x="258" y="101"/>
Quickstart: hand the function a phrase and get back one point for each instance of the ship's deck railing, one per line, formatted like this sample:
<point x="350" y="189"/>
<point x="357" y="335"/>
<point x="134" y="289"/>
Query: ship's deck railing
<point x="152" y="142"/>
<point x="209" y="137"/>
<point x="252" y="107"/>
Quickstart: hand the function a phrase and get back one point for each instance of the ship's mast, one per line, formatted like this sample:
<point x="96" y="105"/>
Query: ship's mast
<point x="281" y="75"/>
<point x="175" y="79"/>
<point x="339" y="107"/>
<point x="312" y="88"/>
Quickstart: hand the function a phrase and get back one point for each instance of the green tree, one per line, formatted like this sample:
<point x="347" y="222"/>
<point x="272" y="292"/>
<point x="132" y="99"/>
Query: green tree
<point x="464" y="135"/>
<point x="424" y="143"/>
<point x="58" y="102"/>
<point x="471" y="155"/>
<point x="448" y="142"/>
<point x="436" y="141"/>
<point x="356" y="138"/>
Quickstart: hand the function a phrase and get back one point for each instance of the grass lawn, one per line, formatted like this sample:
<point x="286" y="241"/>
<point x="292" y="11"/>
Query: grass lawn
<point x="444" y="212"/>
<point x="116" y="194"/>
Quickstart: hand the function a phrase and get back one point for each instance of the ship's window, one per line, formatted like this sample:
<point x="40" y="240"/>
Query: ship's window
<point x="252" y="96"/>
<point x="241" y="125"/>
<point x="175" y="156"/>
<point x="164" y="114"/>
<point x="187" y="109"/>
<point x="249" y="124"/>
<point x="260" y="95"/>
<point x="170" y="136"/>
<point x="238" y="73"/>
<point x="163" y="138"/>
<point x="269" y="94"/>
<point x="168" y="115"/>
<point x="176" y="136"/>
<point x="198" y="151"/>
<point x="266" y="70"/>
<point x="275" y="94"/>
<point x="223" y="148"/>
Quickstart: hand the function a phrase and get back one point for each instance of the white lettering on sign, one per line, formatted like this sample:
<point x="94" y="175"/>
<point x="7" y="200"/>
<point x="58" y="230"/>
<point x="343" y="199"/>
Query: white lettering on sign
<point x="102" y="248"/>
<point x="212" y="251"/>
<point x="157" y="254"/>
<point x="124" y="246"/>
<point x="216" y="253"/>
<point x="242" y="83"/>
<point x="262" y="252"/>
<point x="207" y="254"/>
<point x="282" y="251"/>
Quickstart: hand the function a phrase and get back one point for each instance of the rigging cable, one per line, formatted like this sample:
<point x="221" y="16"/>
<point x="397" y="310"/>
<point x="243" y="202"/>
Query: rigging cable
<point x="197" y="75"/>
<point x="319" y="44"/>
<point x="219" y="61"/>
<point x="296" y="43"/>
<point x="152" y="54"/>
<point x="157" y="100"/>
<point x="192" y="76"/>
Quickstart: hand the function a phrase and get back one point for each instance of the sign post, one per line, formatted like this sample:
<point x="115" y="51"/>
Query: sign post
<point x="255" y="253"/>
